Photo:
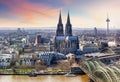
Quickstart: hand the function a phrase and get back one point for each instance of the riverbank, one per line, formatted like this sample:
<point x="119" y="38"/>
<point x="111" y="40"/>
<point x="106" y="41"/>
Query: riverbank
<point x="42" y="72"/>
<point x="38" y="74"/>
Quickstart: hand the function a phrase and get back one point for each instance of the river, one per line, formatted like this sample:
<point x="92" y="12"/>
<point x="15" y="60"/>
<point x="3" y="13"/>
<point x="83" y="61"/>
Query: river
<point x="57" y="78"/>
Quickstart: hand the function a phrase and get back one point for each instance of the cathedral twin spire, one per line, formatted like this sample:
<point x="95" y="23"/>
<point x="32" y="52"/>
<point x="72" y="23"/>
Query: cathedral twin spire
<point x="68" y="28"/>
<point x="60" y="18"/>
<point x="59" y="31"/>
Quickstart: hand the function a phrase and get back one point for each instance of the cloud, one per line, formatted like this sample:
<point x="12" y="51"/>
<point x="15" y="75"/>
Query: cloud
<point x="67" y="2"/>
<point x="28" y="11"/>
<point x="84" y="13"/>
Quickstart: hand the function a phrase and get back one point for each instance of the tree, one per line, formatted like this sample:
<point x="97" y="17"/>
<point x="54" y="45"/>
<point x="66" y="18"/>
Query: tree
<point x="40" y="65"/>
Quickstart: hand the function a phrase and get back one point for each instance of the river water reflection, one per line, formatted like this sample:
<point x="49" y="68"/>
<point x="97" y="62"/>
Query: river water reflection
<point x="58" y="78"/>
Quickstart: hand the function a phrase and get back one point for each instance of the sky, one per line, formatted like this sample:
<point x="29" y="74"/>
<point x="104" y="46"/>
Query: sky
<point x="45" y="13"/>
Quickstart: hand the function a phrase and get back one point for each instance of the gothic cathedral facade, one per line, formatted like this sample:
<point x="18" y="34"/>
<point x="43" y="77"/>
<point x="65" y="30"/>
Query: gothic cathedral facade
<point x="65" y="42"/>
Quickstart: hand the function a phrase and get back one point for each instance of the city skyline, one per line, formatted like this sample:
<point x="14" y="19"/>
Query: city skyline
<point x="40" y="13"/>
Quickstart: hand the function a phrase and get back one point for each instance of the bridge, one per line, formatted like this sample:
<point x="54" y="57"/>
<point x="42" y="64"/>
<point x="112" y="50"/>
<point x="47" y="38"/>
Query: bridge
<point x="98" y="71"/>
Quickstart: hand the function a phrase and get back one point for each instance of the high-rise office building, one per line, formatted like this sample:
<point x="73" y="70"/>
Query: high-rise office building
<point x="37" y="40"/>
<point x="95" y="32"/>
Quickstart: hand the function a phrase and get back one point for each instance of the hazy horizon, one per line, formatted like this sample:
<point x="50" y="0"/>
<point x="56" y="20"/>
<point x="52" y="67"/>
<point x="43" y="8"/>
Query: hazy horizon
<point x="54" y="28"/>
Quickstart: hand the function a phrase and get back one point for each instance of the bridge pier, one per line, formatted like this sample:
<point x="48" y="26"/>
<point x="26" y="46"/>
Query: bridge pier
<point x="77" y="70"/>
<point x="90" y="80"/>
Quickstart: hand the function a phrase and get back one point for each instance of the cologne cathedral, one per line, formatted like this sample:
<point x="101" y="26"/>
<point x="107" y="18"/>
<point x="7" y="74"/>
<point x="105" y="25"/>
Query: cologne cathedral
<point x="64" y="41"/>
